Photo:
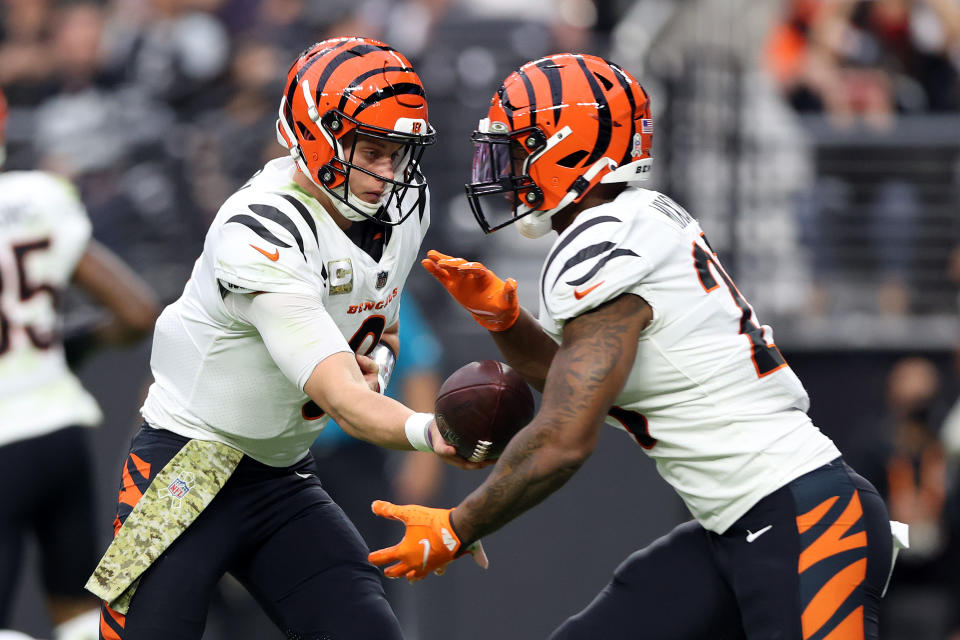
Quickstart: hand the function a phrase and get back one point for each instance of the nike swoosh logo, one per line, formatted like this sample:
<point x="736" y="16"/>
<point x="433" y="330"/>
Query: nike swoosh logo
<point x="426" y="552"/>
<point x="579" y="294"/>
<point x="270" y="256"/>
<point x="753" y="536"/>
<point x="305" y="476"/>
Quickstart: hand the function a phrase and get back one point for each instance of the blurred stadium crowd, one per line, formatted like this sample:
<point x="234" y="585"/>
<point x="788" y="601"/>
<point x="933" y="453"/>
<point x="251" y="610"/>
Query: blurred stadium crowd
<point x="817" y="140"/>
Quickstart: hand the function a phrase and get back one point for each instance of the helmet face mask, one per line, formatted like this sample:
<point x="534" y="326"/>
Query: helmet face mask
<point x="405" y="169"/>
<point x="345" y="89"/>
<point x="500" y="178"/>
<point x="577" y="121"/>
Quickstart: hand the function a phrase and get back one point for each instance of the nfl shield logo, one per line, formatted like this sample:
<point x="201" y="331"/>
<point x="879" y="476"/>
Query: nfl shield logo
<point x="178" y="488"/>
<point x="381" y="279"/>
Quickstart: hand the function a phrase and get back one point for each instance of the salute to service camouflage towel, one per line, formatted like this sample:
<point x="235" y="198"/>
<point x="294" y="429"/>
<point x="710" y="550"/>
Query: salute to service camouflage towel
<point x="177" y="495"/>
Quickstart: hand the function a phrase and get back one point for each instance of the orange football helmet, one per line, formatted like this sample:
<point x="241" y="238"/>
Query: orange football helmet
<point x="556" y="128"/>
<point x="358" y="86"/>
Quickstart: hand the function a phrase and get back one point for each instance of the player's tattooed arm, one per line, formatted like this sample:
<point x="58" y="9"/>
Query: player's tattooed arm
<point x="527" y="348"/>
<point x="587" y="373"/>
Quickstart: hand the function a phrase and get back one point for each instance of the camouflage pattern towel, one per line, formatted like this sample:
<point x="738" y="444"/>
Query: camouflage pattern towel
<point x="175" y="497"/>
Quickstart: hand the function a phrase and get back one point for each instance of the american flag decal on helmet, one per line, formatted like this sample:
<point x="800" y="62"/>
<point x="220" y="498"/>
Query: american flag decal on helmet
<point x="646" y="125"/>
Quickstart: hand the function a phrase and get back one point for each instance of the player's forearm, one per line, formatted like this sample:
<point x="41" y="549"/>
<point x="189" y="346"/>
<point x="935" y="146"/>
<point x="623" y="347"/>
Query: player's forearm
<point x="527" y="348"/>
<point x="585" y="377"/>
<point x="337" y="385"/>
<point x="530" y="469"/>
<point x="370" y="416"/>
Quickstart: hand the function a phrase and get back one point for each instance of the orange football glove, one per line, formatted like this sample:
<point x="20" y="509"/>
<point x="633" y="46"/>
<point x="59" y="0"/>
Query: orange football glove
<point x="429" y="543"/>
<point x="492" y="301"/>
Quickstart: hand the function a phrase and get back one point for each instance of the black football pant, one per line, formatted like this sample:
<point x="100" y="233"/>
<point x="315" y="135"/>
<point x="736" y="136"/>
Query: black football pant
<point x="278" y="532"/>
<point x="47" y="493"/>
<point x="808" y="562"/>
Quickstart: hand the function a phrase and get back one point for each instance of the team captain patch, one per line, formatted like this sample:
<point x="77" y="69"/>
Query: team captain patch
<point x="341" y="276"/>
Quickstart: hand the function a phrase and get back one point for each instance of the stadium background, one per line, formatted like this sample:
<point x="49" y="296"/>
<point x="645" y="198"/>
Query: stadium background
<point x="820" y="149"/>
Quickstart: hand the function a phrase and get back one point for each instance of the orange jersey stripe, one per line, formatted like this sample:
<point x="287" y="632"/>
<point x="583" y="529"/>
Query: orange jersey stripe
<point x="813" y="516"/>
<point x="831" y="596"/>
<point x="832" y="542"/>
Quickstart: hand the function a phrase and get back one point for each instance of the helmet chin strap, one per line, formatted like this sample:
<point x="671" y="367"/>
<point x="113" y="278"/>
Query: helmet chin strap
<point x="344" y="209"/>
<point x="537" y="224"/>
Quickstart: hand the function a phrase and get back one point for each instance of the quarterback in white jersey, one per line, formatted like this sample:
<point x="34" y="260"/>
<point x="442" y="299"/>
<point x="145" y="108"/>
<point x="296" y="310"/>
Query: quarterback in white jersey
<point x="289" y="318"/>
<point x="45" y="246"/>
<point x="215" y="376"/>
<point x="641" y="327"/>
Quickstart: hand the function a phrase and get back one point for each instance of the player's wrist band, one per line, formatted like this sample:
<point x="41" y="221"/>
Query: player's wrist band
<point x="385" y="358"/>
<point x="417" y="428"/>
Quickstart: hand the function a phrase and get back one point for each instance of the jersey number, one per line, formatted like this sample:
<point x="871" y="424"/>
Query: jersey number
<point x="766" y="357"/>
<point x="26" y="290"/>
<point x="373" y="328"/>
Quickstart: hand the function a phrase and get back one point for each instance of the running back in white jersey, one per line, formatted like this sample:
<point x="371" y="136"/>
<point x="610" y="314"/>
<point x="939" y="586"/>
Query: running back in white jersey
<point x="710" y="397"/>
<point x="214" y="378"/>
<point x="44" y="230"/>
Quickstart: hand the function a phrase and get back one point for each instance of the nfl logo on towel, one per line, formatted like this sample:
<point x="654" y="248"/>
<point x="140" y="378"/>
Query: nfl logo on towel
<point x="381" y="279"/>
<point x="178" y="488"/>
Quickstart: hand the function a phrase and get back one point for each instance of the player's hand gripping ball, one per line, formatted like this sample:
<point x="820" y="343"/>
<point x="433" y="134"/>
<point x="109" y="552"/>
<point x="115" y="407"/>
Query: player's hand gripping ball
<point x="480" y="407"/>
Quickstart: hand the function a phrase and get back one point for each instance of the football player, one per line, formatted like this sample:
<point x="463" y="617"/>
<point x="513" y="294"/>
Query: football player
<point x="45" y="460"/>
<point x="642" y="328"/>
<point x="289" y="318"/>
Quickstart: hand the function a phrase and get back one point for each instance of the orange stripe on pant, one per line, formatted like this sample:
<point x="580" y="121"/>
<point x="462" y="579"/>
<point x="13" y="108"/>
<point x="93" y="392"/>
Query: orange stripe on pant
<point x="832" y="542"/>
<point x="830" y="597"/>
<point x="107" y="631"/>
<point x="851" y="627"/>
<point x="812" y="517"/>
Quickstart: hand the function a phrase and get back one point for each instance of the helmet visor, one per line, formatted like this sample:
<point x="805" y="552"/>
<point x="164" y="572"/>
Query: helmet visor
<point x="499" y="191"/>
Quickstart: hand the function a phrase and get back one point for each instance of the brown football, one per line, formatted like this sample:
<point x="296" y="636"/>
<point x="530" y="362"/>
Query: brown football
<point x="481" y="406"/>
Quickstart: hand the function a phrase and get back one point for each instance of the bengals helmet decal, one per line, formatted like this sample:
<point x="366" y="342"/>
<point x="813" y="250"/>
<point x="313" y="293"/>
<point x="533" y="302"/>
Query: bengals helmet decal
<point x="556" y="128"/>
<point x="343" y="88"/>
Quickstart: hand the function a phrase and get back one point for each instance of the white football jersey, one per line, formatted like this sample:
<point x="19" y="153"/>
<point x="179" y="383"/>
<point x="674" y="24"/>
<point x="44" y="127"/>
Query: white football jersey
<point x="44" y="230"/>
<point x="709" y="398"/>
<point x="214" y="378"/>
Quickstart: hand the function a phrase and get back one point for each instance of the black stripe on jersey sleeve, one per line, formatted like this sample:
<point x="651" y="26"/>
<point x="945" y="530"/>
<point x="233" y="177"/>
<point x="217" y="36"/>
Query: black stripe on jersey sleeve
<point x="576" y="231"/>
<point x="272" y="213"/>
<point x="616" y="253"/>
<point x="304" y="213"/>
<point x="254" y="225"/>
<point x="584" y="254"/>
